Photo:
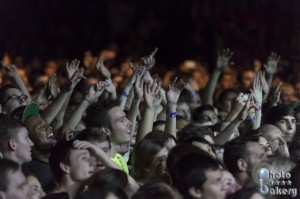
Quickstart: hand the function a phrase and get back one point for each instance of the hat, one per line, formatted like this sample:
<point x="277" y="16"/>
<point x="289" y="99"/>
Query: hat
<point x="31" y="109"/>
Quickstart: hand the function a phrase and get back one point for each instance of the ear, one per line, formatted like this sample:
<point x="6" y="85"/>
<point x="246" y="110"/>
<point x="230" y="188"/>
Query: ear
<point x="195" y="192"/>
<point x="12" y="144"/>
<point x="2" y="195"/>
<point x="64" y="168"/>
<point x="242" y="164"/>
<point x="105" y="130"/>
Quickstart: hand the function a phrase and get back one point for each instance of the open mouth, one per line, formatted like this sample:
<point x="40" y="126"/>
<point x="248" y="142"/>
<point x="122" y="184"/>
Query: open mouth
<point x="51" y="138"/>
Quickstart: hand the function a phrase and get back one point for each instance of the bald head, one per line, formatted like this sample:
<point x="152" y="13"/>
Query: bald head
<point x="269" y="129"/>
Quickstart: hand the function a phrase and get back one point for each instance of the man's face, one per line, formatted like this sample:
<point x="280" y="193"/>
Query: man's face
<point x="120" y="126"/>
<point x="82" y="165"/>
<point x="105" y="147"/>
<point x="208" y="117"/>
<point x="23" y="146"/>
<point x="230" y="184"/>
<point x="14" y="99"/>
<point x="257" y="155"/>
<point x="40" y="133"/>
<point x="247" y="79"/>
<point x="213" y="187"/>
<point x="265" y="144"/>
<point x="17" y="186"/>
<point x="184" y="111"/>
<point x="273" y="137"/>
<point x="288" y="126"/>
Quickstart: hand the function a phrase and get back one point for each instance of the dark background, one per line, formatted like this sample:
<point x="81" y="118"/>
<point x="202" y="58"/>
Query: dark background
<point x="181" y="29"/>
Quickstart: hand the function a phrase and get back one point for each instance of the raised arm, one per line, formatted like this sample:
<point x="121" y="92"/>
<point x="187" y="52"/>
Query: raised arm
<point x="223" y="61"/>
<point x="172" y="96"/>
<point x="271" y="67"/>
<point x="258" y="98"/>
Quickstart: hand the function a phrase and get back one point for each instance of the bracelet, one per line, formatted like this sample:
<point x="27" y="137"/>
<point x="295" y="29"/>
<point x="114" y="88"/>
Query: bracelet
<point x="87" y="100"/>
<point x="172" y="114"/>
<point x="125" y="94"/>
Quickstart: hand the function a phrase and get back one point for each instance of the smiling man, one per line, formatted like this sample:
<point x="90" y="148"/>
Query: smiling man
<point x="14" y="141"/>
<point x="111" y="119"/>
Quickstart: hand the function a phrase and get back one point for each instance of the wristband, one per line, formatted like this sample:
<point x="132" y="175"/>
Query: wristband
<point x="172" y="114"/>
<point x="87" y="101"/>
<point x="125" y="94"/>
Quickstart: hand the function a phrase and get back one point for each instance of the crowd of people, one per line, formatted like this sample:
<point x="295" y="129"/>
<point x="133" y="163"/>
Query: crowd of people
<point x="93" y="130"/>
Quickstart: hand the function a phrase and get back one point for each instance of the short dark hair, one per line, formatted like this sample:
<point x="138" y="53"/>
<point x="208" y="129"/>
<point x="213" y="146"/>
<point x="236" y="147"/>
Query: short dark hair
<point x="236" y="149"/>
<point x="3" y="91"/>
<point x="152" y="190"/>
<point x="8" y="130"/>
<point x="160" y="136"/>
<point x="5" y="167"/>
<point x="192" y="130"/>
<point x="97" y="113"/>
<point x="196" y="116"/>
<point x="60" y="154"/>
<point x="93" y="134"/>
<point x="185" y="176"/>
<point x="276" y="113"/>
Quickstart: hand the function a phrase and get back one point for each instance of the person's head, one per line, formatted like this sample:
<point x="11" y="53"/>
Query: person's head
<point x="225" y="98"/>
<point x="230" y="184"/>
<point x="35" y="187"/>
<point x="74" y="164"/>
<point x="250" y="193"/>
<point x="160" y="136"/>
<point x="192" y="130"/>
<point x="198" y="176"/>
<point x="14" y="141"/>
<point x="149" y="160"/>
<point x="202" y="144"/>
<point x="272" y="134"/>
<point x="159" y="125"/>
<point x="265" y="144"/>
<point x="287" y="92"/>
<point x="155" y="190"/>
<point x="184" y="110"/>
<point x="12" y="182"/>
<point x="108" y="116"/>
<point x="242" y="154"/>
<point x="205" y="116"/>
<point x="283" y="117"/>
<point x="40" y="133"/>
<point x="11" y="98"/>
<point x="97" y="137"/>
<point x="247" y="79"/>
<point x="100" y="191"/>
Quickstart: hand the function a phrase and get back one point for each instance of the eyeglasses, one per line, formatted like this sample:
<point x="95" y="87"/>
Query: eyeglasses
<point x="15" y="98"/>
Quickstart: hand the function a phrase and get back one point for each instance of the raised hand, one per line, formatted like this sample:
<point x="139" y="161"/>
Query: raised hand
<point x="257" y="88"/>
<point x="138" y="86"/>
<point x="11" y="70"/>
<point x="238" y="103"/>
<point x="75" y="79"/>
<point x="276" y="95"/>
<point x="53" y="86"/>
<point x="151" y="93"/>
<point x="72" y="67"/>
<point x="149" y="60"/>
<point x="174" y="91"/>
<point x="223" y="59"/>
<point x="271" y="66"/>
<point x="102" y="69"/>
<point x="96" y="90"/>
<point x="265" y="86"/>
<point x="110" y="88"/>
<point x="283" y="149"/>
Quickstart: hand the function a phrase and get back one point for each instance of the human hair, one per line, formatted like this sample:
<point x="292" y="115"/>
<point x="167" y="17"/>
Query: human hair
<point x="196" y="116"/>
<point x="60" y="154"/>
<point x="198" y="139"/>
<point x="143" y="154"/>
<point x="223" y="94"/>
<point x="190" y="171"/>
<point x="244" y="193"/>
<point x="276" y="113"/>
<point x="17" y="114"/>
<point x="155" y="190"/>
<point x="6" y="166"/>
<point x="97" y="113"/>
<point x="192" y="130"/>
<point x="99" y="191"/>
<point x="158" y="122"/>
<point x="3" y="91"/>
<point x="236" y="149"/>
<point x="108" y="175"/>
<point x="8" y="130"/>
<point x="160" y="136"/>
<point x="93" y="134"/>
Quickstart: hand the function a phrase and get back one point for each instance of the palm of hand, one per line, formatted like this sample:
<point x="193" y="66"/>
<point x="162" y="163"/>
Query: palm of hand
<point x="172" y="95"/>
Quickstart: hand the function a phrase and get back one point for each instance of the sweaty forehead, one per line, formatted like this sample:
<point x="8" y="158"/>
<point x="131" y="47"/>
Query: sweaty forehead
<point x="116" y="113"/>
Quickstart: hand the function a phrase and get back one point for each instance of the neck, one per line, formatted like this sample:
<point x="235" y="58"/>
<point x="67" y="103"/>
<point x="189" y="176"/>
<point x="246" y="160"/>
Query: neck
<point x="69" y="186"/>
<point x="244" y="180"/>
<point x="12" y="156"/>
<point x="39" y="155"/>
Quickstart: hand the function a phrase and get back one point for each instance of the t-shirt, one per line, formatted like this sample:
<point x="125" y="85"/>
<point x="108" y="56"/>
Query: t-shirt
<point x="120" y="161"/>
